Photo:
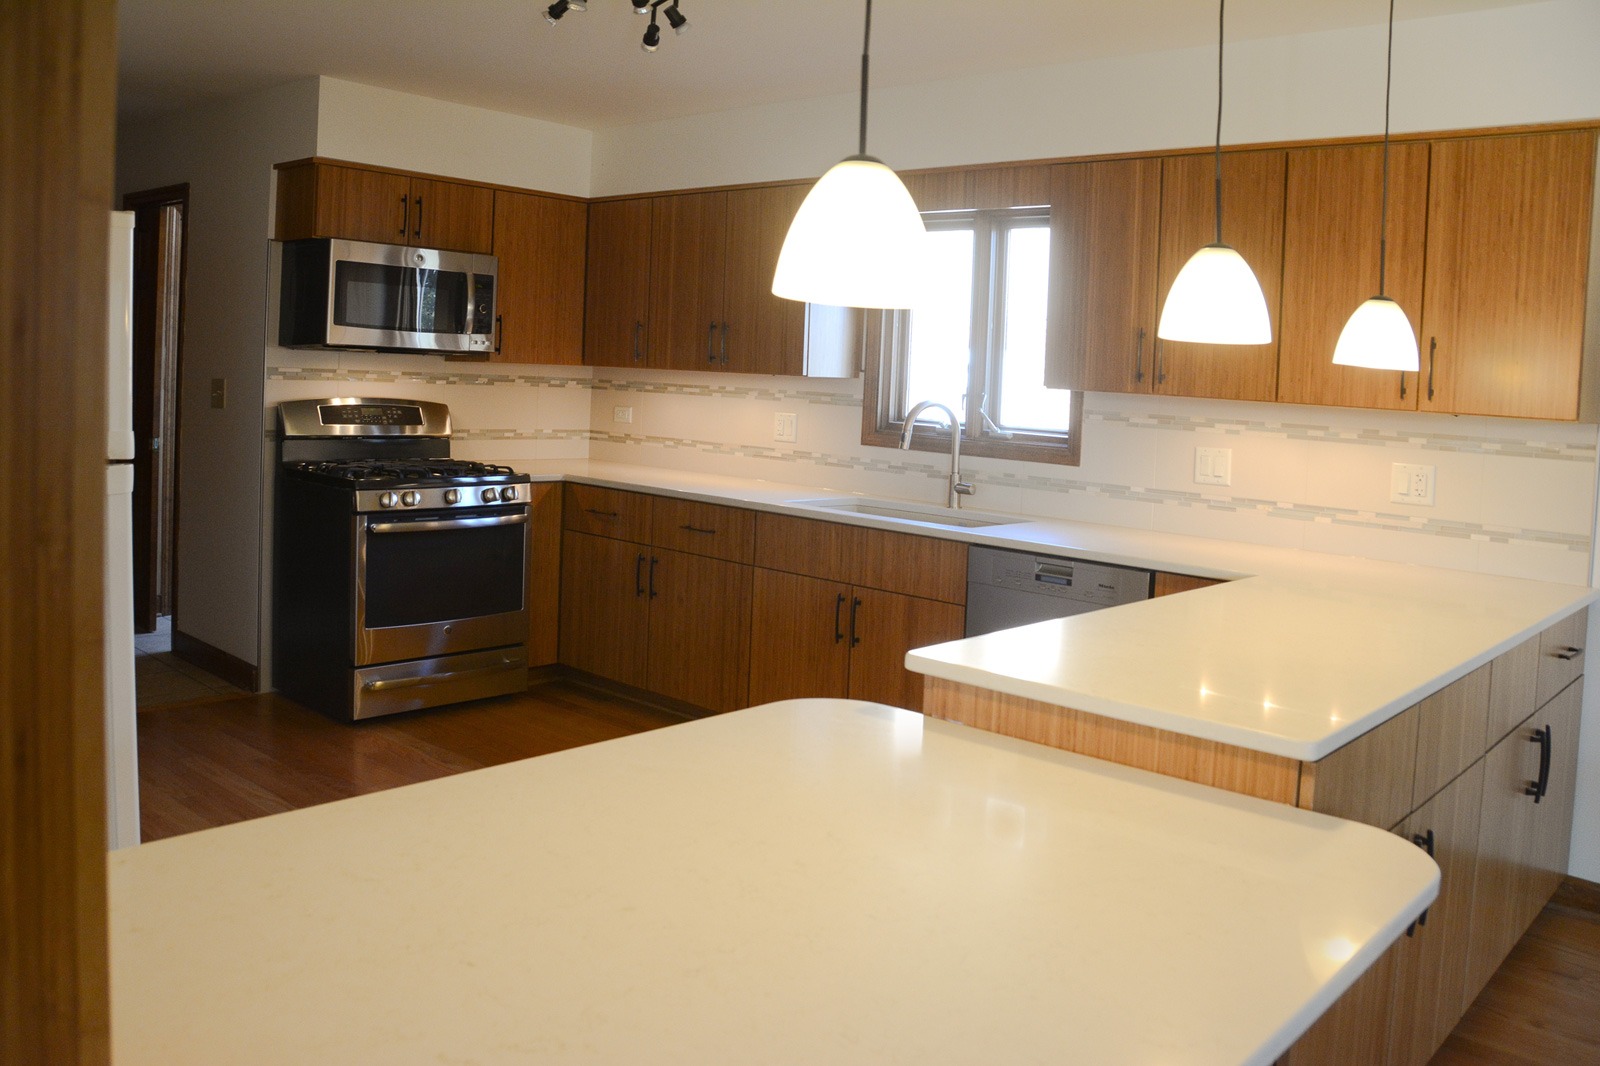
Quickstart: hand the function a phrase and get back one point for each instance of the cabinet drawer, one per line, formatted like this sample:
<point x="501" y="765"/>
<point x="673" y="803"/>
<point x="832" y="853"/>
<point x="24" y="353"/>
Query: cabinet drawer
<point x="1450" y="732"/>
<point x="1513" y="677"/>
<point x="703" y="529"/>
<point x="607" y="513"/>
<point x="1561" y="655"/>
<point x="875" y="558"/>
<point x="1369" y="779"/>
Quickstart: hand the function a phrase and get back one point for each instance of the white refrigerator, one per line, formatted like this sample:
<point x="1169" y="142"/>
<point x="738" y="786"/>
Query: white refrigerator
<point x="122" y="762"/>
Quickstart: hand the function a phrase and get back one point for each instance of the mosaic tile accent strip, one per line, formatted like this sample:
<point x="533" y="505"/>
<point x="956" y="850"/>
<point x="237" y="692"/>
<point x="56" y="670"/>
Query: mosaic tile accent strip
<point x="1441" y="442"/>
<point x="1299" y="512"/>
<point x="430" y="377"/>
<point x="730" y="391"/>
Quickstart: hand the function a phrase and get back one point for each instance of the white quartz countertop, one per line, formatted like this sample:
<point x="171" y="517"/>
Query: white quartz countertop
<point x="1298" y="654"/>
<point x="811" y="881"/>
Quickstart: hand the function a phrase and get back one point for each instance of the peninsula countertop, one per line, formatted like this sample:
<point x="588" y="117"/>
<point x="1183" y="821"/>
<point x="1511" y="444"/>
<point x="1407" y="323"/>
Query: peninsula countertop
<point x="809" y="881"/>
<point x="1296" y="654"/>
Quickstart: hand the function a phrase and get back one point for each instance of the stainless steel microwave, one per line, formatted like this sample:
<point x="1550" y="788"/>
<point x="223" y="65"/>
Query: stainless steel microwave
<point x="353" y="294"/>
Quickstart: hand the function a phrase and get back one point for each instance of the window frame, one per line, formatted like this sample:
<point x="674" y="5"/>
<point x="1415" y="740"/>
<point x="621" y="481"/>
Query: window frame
<point x="887" y="333"/>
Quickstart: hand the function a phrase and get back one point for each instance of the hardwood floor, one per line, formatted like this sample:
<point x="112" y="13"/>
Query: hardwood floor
<point x="217" y="761"/>
<point x="211" y="762"/>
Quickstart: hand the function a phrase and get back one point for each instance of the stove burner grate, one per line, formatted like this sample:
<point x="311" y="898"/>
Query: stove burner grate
<point x="396" y="471"/>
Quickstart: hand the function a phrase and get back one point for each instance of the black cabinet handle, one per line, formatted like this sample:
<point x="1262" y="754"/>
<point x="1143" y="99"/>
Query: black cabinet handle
<point x="653" y="562"/>
<point x="1161" y="363"/>
<point x="855" y="606"/>
<point x="1138" y="357"/>
<point x="697" y="529"/>
<point x="638" y="575"/>
<point x="499" y="333"/>
<point x="711" y="342"/>
<point x="405" y="216"/>
<point x="1402" y="384"/>
<point x="724" y="344"/>
<point x="1569" y="654"/>
<point x="1425" y="842"/>
<point x="599" y="513"/>
<point x="638" y="333"/>
<point x="838" y="610"/>
<point x="1433" y="346"/>
<point x="1538" y="788"/>
<point x="418" y="231"/>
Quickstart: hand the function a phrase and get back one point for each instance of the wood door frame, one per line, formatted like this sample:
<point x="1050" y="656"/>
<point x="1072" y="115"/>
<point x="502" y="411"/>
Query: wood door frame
<point x="155" y="496"/>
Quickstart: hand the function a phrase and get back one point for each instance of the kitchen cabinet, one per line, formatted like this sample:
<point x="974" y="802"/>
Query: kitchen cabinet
<point x="1332" y="223"/>
<point x="540" y="243"/>
<point x="1252" y="222"/>
<point x="1509" y="223"/>
<point x="1104" y="221"/>
<point x="673" y="622"/>
<point x="688" y="259"/>
<point x="763" y="333"/>
<point x="319" y="198"/>
<point x="544" y="572"/>
<point x="617" y="289"/>
<point x="1170" y="584"/>
<point x="836" y="608"/>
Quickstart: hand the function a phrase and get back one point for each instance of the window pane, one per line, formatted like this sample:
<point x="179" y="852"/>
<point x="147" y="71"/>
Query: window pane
<point x="1024" y="403"/>
<point x="940" y="344"/>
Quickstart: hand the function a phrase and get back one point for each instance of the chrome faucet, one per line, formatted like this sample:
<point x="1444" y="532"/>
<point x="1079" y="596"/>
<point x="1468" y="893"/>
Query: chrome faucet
<point x="956" y="487"/>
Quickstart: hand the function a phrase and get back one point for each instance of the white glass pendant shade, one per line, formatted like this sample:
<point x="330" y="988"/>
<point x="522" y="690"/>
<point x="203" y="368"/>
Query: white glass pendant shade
<point x="1216" y="299"/>
<point x="1378" y="336"/>
<point x="857" y="241"/>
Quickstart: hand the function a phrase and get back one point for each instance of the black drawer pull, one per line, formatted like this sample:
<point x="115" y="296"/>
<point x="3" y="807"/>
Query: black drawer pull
<point x="838" y="608"/>
<point x="599" y="513"/>
<point x="1538" y="788"/>
<point x="1569" y="654"/>
<point x="855" y="606"/>
<point x="653" y="562"/>
<point x="638" y="576"/>
<point x="696" y="529"/>
<point x="1425" y="842"/>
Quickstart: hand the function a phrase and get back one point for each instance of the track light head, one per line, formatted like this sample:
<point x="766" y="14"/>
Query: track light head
<point x="578" y="5"/>
<point x="641" y="7"/>
<point x="553" y="13"/>
<point x="676" y="19"/>
<point x="652" y="36"/>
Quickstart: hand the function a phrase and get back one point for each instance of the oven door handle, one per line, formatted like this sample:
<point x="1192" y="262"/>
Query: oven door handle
<point x="448" y="523"/>
<point x="384" y="684"/>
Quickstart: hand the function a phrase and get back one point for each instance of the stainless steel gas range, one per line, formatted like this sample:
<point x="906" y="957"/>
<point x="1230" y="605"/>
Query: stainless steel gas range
<point x="400" y="573"/>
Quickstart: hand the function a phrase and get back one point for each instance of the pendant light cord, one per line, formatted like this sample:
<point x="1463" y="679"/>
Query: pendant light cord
<point x="866" y="47"/>
<point x="1222" y="7"/>
<point x="1383" y="224"/>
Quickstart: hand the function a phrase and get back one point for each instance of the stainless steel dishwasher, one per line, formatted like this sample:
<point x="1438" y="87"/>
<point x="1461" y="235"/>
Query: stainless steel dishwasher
<point x="1011" y="588"/>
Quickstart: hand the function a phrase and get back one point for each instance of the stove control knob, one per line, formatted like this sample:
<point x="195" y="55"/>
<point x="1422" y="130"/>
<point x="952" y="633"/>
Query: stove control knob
<point x="508" y="494"/>
<point x="489" y="495"/>
<point x="411" y="498"/>
<point x="388" y="499"/>
<point x="452" y="496"/>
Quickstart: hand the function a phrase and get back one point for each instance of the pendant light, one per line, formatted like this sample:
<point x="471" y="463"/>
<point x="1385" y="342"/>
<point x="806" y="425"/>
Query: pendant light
<point x="1216" y="299"/>
<point x="1379" y="335"/>
<point x="857" y="240"/>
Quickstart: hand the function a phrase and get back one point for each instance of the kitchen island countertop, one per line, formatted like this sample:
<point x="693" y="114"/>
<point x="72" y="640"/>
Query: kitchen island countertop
<point x="810" y="881"/>
<point x="1296" y="654"/>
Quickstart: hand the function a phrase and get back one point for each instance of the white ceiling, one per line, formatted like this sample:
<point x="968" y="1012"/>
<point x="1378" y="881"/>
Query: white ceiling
<point x="589" y="70"/>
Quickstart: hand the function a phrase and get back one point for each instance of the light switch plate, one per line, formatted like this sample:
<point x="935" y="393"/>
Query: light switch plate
<point x="1213" y="466"/>
<point x="786" y="428"/>
<point x="622" y="414"/>
<point x="1411" y="483"/>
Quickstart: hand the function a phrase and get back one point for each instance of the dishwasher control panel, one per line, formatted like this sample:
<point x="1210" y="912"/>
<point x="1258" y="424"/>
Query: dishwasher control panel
<point x="1010" y="588"/>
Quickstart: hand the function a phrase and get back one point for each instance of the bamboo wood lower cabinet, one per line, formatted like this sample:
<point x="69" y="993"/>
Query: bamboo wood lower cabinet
<point x="544" y="573"/>
<point x="604" y="612"/>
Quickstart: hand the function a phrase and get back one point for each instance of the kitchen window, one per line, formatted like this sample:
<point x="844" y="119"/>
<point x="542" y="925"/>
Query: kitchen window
<point x="975" y="342"/>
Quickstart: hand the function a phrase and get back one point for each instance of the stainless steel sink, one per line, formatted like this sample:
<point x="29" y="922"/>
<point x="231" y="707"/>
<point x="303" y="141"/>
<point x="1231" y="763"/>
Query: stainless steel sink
<point x="899" y="511"/>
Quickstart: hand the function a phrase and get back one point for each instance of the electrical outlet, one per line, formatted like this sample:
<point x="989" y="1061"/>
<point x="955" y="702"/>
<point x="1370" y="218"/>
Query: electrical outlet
<point x="786" y="428"/>
<point x="622" y="414"/>
<point x="1411" y="483"/>
<point x="1213" y="466"/>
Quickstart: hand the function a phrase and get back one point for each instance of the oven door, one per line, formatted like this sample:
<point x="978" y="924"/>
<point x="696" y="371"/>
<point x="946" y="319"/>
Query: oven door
<point x="439" y="582"/>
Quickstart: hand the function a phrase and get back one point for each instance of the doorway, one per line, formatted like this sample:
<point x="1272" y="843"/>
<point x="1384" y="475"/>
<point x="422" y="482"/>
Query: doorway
<point x="159" y="244"/>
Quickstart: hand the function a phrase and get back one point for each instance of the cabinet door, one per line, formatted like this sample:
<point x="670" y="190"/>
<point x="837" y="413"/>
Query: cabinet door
<point x="452" y="214"/>
<point x="883" y="626"/>
<point x="617" y="288"/>
<point x="1252" y="222"/>
<point x="539" y="242"/>
<point x="1549" y="846"/>
<point x="1430" y="972"/>
<point x="688" y="253"/>
<point x="799" y="644"/>
<point x="699" y="629"/>
<point x="1508" y="251"/>
<point x="1332" y="222"/>
<point x="1104" y="218"/>
<point x="362" y="205"/>
<point x="761" y="333"/>
<point x="544" y="573"/>
<point x="604" y="607"/>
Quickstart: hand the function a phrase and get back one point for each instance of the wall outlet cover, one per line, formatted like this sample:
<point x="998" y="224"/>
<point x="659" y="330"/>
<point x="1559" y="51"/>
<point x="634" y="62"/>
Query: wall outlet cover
<point x="1213" y="466"/>
<point x="786" y="428"/>
<point x="1412" y="483"/>
<point x="622" y="414"/>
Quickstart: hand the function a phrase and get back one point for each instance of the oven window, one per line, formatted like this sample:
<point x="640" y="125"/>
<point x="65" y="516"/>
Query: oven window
<point x="415" y="578"/>
<point x="441" y="301"/>
<point x="370" y="295"/>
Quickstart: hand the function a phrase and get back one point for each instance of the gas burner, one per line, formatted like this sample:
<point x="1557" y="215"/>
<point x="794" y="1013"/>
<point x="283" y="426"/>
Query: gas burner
<point x="392" y="473"/>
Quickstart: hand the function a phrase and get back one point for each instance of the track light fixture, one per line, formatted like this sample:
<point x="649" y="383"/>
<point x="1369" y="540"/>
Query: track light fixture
<point x="652" y="35"/>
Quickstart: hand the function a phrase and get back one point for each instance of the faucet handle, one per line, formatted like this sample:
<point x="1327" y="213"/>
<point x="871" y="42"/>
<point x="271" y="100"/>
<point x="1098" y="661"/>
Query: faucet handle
<point x="964" y="488"/>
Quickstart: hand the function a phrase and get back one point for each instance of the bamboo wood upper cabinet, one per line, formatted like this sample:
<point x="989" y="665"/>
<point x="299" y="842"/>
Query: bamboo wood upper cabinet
<point x="1507" y="265"/>
<point x="1332" y="221"/>
<point x="617" y="289"/>
<point x="317" y="198"/>
<point x="1252" y="222"/>
<point x="762" y="333"/>
<point x="539" y="242"/>
<point x="1104" y="218"/>
<point x="688" y="262"/>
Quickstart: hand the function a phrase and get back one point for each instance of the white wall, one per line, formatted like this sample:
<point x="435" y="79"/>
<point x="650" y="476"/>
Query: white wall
<point x="225" y="152"/>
